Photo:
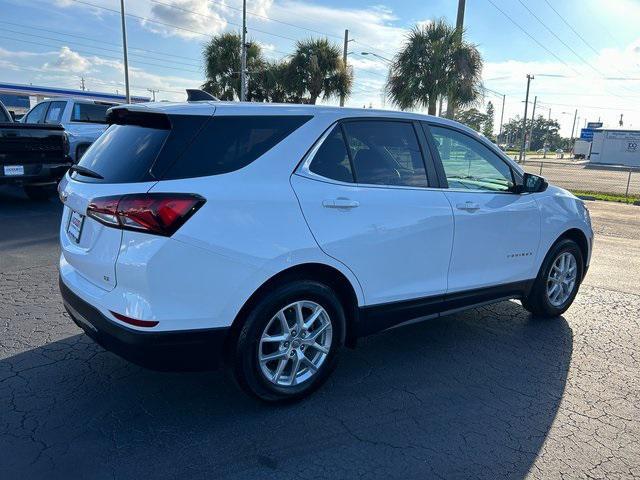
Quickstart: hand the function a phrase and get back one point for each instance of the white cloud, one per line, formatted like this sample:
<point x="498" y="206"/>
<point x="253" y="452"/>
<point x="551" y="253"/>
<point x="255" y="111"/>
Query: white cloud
<point x="191" y="15"/>
<point x="68" y="61"/>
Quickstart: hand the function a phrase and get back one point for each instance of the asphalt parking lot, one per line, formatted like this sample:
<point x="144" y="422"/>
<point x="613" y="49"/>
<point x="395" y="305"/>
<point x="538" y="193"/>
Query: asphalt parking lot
<point x="490" y="393"/>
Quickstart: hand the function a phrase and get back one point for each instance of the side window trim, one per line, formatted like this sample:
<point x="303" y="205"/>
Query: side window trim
<point x="426" y="127"/>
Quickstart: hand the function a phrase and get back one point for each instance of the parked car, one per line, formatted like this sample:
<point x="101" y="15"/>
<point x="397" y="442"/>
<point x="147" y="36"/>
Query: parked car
<point x="33" y="156"/>
<point x="270" y="236"/>
<point x="83" y="120"/>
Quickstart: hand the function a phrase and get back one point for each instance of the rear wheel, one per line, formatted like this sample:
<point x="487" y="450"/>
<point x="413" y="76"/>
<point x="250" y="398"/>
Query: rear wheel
<point x="290" y="341"/>
<point x="40" y="192"/>
<point x="557" y="283"/>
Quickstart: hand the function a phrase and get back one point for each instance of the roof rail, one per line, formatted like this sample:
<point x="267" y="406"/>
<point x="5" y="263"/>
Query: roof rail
<point x="197" y="95"/>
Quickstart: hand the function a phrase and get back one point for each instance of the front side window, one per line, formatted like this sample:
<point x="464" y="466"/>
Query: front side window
<point x="468" y="164"/>
<point x="332" y="160"/>
<point x="36" y="115"/>
<point x="54" y="114"/>
<point x="385" y="153"/>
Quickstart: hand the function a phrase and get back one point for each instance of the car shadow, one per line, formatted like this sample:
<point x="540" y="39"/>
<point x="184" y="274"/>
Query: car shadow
<point x="466" y="396"/>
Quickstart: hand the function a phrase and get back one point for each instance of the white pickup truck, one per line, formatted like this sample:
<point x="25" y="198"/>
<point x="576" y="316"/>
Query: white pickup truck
<point x="83" y="121"/>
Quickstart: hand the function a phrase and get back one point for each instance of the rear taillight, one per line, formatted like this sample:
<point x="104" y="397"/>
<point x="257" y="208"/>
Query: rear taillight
<point x="157" y="213"/>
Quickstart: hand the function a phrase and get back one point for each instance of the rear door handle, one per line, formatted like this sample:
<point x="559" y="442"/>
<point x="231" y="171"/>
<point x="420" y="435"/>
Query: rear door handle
<point x="340" y="203"/>
<point x="468" y="206"/>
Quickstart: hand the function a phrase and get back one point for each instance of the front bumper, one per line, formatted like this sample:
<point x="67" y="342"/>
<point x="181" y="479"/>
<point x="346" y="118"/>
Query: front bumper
<point x="188" y="350"/>
<point x="36" y="174"/>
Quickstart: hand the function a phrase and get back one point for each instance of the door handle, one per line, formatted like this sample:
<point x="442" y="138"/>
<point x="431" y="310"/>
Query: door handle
<point x="468" y="206"/>
<point x="340" y="203"/>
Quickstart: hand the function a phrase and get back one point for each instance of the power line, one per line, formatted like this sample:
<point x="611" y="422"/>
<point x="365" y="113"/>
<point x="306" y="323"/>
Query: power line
<point x="528" y="35"/>
<point x="67" y="42"/>
<point x="101" y="56"/>
<point x="101" y="41"/>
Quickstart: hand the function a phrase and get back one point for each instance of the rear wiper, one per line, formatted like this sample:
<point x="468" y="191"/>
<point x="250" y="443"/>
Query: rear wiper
<point x="85" y="171"/>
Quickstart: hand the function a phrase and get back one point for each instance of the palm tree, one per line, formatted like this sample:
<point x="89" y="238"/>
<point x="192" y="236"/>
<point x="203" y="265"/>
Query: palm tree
<point x="435" y="62"/>
<point x="316" y="69"/>
<point x="222" y="66"/>
<point x="272" y="82"/>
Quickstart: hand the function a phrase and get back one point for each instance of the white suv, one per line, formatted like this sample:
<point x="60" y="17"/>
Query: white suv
<point x="269" y="236"/>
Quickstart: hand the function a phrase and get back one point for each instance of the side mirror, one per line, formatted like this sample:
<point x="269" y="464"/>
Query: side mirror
<point x="532" y="184"/>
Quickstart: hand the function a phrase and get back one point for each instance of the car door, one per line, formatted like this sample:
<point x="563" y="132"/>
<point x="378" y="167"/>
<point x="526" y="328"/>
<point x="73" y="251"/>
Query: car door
<point x="365" y="194"/>
<point x="497" y="231"/>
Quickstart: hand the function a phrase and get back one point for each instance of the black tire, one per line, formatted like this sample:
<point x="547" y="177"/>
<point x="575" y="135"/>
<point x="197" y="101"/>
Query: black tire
<point x="244" y="356"/>
<point x="538" y="302"/>
<point x="40" y="193"/>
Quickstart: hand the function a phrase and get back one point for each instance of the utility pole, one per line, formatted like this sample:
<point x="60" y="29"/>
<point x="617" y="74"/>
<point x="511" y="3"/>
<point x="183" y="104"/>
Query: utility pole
<point x="575" y="116"/>
<point x="124" y="48"/>
<point x="82" y="84"/>
<point x="344" y="59"/>
<point x="153" y="92"/>
<point x="501" y="117"/>
<point x="459" y="30"/>
<point x="243" y="56"/>
<point x="621" y="123"/>
<point x="524" y="120"/>
<point x="533" y="119"/>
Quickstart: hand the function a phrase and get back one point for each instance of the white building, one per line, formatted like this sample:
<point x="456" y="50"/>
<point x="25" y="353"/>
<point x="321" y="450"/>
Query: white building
<point x="616" y="147"/>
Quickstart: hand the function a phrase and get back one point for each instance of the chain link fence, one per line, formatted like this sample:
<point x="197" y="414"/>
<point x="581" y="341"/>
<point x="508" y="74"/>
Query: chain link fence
<point x="589" y="178"/>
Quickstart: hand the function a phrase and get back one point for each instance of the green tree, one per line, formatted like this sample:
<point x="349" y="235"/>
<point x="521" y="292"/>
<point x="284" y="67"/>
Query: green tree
<point x="222" y="67"/>
<point x="316" y="70"/>
<point x="487" y="126"/>
<point x="435" y="61"/>
<point x="472" y="118"/>
<point x="545" y="132"/>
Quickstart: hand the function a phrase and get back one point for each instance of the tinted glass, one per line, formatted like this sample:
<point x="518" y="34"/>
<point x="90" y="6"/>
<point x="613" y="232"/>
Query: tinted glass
<point x="89" y="113"/>
<point x="332" y="160"/>
<point x="228" y="143"/>
<point x="469" y="164"/>
<point x="123" y="154"/>
<point x="4" y="116"/>
<point x="36" y="115"/>
<point x="385" y="153"/>
<point x="54" y="114"/>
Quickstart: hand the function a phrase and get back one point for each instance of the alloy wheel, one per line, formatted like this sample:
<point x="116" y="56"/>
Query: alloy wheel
<point x="295" y="343"/>
<point x="562" y="279"/>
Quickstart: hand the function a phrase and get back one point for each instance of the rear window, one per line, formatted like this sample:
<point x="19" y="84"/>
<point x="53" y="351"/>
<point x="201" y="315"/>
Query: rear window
<point x="89" y="113"/>
<point x="193" y="146"/>
<point x="123" y="154"/>
<point x="229" y="143"/>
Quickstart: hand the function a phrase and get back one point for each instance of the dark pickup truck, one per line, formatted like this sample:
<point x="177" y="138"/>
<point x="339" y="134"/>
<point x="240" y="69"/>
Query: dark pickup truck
<point x="34" y="156"/>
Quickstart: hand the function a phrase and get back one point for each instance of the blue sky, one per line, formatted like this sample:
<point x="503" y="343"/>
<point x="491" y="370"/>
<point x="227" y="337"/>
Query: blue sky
<point x="56" y="42"/>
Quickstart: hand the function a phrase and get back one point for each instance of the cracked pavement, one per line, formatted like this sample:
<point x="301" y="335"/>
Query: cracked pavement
<point x="489" y="393"/>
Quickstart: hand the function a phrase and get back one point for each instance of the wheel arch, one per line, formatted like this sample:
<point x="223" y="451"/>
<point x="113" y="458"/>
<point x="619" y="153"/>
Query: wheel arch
<point x="320" y="272"/>
<point x="580" y="238"/>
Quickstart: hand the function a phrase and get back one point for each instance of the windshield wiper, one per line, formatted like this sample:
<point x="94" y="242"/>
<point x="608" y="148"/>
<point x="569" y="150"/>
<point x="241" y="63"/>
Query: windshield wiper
<point x="87" y="172"/>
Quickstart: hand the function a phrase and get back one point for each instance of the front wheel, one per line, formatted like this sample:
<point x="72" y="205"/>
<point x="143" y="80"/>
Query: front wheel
<point x="290" y="341"/>
<point x="557" y="283"/>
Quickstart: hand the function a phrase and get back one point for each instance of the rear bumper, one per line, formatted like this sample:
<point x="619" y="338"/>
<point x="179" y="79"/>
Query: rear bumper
<point x="189" y="350"/>
<point x="36" y="174"/>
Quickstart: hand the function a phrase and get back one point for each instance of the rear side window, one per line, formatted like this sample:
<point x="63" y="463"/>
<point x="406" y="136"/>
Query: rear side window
<point x="54" y="114"/>
<point x="332" y="159"/>
<point x="229" y="143"/>
<point x="385" y="153"/>
<point x="123" y="154"/>
<point x="89" y="113"/>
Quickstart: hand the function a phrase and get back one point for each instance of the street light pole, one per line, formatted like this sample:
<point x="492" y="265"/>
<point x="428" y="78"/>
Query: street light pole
<point x="124" y="48"/>
<point x="575" y="116"/>
<point x="243" y="57"/>
<point x="344" y="60"/>
<point x="533" y="119"/>
<point x="524" y="120"/>
<point x="501" y="117"/>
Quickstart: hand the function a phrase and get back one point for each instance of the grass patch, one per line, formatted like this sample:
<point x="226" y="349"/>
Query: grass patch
<point x="608" y="197"/>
